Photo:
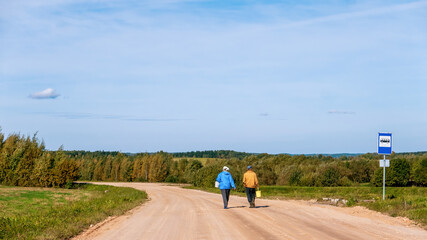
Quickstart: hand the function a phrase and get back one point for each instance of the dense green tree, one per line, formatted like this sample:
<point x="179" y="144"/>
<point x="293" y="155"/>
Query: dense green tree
<point x="159" y="167"/>
<point x="126" y="169"/>
<point x="399" y="173"/>
<point x="65" y="172"/>
<point x="106" y="173"/>
<point x="360" y="170"/>
<point x="420" y="172"/>
<point x="295" y="178"/>
<point x="330" y="177"/>
<point x="43" y="171"/>
<point x="191" y="170"/>
<point x="87" y="168"/>
<point x="98" y="171"/>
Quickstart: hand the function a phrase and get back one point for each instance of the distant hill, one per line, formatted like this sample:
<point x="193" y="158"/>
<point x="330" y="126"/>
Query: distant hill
<point x="414" y="153"/>
<point x="334" y="155"/>
<point x="221" y="154"/>
<point x="227" y="154"/>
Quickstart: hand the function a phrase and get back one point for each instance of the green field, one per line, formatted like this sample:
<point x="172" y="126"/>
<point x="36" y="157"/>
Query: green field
<point x="50" y="213"/>
<point x="410" y="202"/>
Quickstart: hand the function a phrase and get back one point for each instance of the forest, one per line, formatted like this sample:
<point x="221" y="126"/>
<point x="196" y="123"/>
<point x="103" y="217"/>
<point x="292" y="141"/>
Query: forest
<point x="222" y="154"/>
<point x="24" y="161"/>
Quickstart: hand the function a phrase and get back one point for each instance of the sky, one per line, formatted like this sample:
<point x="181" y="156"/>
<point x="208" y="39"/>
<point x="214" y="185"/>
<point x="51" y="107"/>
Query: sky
<point x="179" y="75"/>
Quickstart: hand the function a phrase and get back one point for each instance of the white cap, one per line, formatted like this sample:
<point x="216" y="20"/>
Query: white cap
<point x="225" y="168"/>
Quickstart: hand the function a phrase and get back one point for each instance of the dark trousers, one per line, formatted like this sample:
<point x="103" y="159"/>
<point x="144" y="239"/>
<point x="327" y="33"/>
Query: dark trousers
<point x="250" y="193"/>
<point x="225" y="196"/>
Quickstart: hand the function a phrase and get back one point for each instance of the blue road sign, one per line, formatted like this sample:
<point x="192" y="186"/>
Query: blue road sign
<point x="384" y="143"/>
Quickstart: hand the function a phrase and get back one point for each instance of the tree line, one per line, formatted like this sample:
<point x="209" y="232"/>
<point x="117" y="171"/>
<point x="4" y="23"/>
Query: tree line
<point x="24" y="161"/>
<point x="222" y="154"/>
<point x="298" y="170"/>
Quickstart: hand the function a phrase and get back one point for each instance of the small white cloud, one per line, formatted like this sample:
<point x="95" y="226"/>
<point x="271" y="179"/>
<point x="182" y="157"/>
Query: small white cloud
<point x="340" y="112"/>
<point x="45" y="94"/>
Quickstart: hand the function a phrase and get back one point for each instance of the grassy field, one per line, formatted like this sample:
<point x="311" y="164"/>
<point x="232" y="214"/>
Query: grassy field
<point x="410" y="202"/>
<point x="48" y="213"/>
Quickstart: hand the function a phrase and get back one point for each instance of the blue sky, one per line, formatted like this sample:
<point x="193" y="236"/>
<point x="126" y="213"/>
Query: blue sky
<point x="176" y="75"/>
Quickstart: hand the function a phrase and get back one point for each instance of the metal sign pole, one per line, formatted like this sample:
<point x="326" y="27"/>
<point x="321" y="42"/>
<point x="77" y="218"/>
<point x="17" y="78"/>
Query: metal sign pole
<point x="384" y="179"/>
<point x="384" y="147"/>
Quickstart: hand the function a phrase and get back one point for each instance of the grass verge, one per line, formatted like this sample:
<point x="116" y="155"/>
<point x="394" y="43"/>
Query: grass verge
<point x="410" y="202"/>
<point x="49" y="213"/>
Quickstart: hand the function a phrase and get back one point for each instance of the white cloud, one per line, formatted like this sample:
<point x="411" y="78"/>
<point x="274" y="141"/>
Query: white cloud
<point x="340" y="112"/>
<point x="45" y="94"/>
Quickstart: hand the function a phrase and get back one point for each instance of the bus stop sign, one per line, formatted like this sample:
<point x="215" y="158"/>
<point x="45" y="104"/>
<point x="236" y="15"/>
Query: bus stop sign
<point x="384" y="143"/>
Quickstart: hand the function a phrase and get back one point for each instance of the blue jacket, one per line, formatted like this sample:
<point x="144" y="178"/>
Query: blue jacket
<point x="225" y="180"/>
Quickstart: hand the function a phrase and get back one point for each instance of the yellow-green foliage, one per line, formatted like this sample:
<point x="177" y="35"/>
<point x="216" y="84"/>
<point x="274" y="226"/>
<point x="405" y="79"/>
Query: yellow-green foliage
<point x="151" y="167"/>
<point x="25" y="162"/>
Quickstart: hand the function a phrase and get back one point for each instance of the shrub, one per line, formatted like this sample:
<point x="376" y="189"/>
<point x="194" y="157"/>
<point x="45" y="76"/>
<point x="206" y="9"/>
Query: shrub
<point x="295" y="178"/>
<point x="206" y="176"/>
<point x="65" y="171"/>
<point x="399" y="173"/>
<point x="330" y="177"/>
<point x="420" y="173"/>
<point x="171" y="179"/>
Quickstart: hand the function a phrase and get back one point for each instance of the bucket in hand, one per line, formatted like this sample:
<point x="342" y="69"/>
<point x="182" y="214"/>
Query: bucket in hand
<point x="258" y="193"/>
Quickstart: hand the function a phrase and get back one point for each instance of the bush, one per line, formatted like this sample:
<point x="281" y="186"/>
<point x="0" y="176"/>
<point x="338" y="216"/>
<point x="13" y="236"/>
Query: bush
<point x="344" y="181"/>
<point x="330" y="178"/>
<point x="171" y="179"/>
<point x="420" y="173"/>
<point x="65" y="171"/>
<point x="191" y="170"/>
<point x="266" y="176"/>
<point x="206" y="176"/>
<point x="295" y="178"/>
<point x="399" y="173"/>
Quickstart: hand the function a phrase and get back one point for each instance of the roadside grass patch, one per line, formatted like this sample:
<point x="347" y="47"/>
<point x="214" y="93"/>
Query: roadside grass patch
<point x="410" y="202"/>
<point x="52" y="213"/>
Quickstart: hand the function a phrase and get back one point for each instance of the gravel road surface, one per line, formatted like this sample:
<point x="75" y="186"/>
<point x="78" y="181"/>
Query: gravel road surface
<point x="176" y="213"/>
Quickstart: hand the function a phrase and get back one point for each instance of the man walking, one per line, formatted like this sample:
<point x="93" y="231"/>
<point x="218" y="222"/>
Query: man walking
<point x="250" y="182"/>
<point x="225" y="183"/>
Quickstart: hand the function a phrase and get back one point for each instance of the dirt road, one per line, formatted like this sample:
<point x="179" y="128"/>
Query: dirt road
<point x="177" y="213"/>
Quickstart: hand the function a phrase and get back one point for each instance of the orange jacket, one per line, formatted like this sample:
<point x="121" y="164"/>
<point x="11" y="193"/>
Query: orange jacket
<point x="250" y="180"/>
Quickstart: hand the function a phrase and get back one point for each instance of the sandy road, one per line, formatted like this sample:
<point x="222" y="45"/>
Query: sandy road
<point x="177" y="213"/>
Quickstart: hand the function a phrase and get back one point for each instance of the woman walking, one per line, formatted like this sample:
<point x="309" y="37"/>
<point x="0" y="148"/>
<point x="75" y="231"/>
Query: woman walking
<point x="225" y="183"/>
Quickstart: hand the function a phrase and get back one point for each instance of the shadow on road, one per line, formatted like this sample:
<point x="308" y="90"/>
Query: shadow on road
<point x="247" y="206"/>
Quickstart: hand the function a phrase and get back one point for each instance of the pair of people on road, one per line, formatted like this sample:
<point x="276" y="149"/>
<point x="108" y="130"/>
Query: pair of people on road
<point x="226" y="182"/>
